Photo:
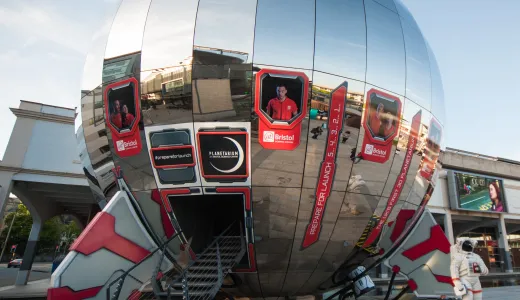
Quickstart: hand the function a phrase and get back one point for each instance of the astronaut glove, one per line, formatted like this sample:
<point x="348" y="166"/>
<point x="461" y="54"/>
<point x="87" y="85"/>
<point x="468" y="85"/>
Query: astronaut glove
<point x="459" y="288"/>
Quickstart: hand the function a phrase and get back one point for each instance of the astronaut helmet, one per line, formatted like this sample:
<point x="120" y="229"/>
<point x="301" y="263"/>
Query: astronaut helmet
<point x="466" y="244"/>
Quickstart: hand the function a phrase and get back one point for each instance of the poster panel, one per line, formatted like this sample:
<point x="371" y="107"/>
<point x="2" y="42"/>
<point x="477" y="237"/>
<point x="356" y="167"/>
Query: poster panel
<point x="122" y="110"/>
<point x="328" y="164"/>
<point x="281" y="105"/>
<point x="381" y="120"/>
<point x="224" y="153"/>
<point x="173" y="156"/>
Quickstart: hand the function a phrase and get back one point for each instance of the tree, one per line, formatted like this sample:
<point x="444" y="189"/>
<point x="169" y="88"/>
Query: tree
<point x="50" y="235"/>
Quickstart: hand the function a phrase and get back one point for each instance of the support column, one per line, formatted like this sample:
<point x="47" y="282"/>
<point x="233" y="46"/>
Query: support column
<point x="30" y="252"/>
<point x="448" y="227"/>
<point x="504" y="245"/>
<point x="383" y="270"/>
<point x="6" y="185"/>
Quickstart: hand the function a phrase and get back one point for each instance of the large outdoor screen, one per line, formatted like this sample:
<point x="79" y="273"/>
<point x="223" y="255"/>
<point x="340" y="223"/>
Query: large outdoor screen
<point x="481" y="193"/>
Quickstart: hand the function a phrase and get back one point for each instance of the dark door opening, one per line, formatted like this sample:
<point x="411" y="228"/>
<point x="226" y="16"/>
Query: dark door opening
<point x="205" y="217"/>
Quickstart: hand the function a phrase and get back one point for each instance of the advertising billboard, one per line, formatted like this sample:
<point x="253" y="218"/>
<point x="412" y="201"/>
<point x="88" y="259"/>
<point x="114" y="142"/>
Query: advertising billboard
<point x="479" y="192"/>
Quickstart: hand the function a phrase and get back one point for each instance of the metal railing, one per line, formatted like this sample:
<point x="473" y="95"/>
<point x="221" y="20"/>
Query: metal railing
<point x="121" y="279"/>
<point x="204" y="276"/>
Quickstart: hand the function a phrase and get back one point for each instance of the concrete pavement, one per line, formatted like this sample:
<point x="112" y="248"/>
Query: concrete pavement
<point x="37" y="267"/>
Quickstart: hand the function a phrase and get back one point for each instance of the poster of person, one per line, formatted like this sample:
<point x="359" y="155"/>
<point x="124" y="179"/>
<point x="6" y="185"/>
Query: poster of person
<point x="382" y="118"/>
<point x="121" y="105"/>
<point x="432" y="149"/>
<point x="281" y="97"/>
<point x="122" y="113"/>
<point x="481" y="193"/>
<point x="281" y="104"/>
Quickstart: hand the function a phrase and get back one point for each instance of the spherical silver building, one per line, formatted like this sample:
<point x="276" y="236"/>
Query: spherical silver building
<point x="300" y="127"/>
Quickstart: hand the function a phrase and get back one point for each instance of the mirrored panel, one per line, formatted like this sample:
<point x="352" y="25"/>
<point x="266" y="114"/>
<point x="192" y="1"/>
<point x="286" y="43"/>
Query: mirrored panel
<point x="278" y="156"/>
<point x="222" y="92"/>
<point x="412" y="140"/>
<point x="403" y="12"/>
<point x="385" y="53"/>
<point x="166" y="62"/>
<point x="166" y="96"/>
<point x="418" y="79"/>
<point x="438" y="106"/>
<point x="290" y="45"/>
<point x="377" y="142"/>
<point x="224" y="32"/>
<point x="168" y="34"/>
<point x="124" y="123"/>
<point x="340" y="47"/>
<point x="388" y="4"/>
<point x="334" y="130"/>
<point x="275" y="212"/>
<point x="97" y="144"/>
<point x="126" y="33"/>
<point x="317" y="217"/>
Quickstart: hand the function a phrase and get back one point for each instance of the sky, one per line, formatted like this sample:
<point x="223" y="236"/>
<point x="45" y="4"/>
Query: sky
<point x="44" y="47"/>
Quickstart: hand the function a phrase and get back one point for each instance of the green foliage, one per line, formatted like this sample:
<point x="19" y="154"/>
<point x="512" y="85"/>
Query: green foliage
<point x="50" y="236"/>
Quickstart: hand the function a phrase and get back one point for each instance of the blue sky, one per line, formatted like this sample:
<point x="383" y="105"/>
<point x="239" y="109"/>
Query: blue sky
<point x="44" y="44"/>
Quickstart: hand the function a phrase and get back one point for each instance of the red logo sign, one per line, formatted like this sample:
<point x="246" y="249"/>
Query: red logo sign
<point x="382" y="118"/>
<point x="122" y="113"/>
<point x="328" y="165"/>
<point x="281" y="134"/>
<point x="399" y="182"/>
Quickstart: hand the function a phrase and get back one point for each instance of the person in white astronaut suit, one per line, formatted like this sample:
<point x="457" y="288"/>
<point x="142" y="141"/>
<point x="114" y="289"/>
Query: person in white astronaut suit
<point x="466" y="267"/>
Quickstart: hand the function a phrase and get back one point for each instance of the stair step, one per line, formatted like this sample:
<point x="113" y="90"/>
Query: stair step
<point x="213" y="260"/>
<point x="180" y="293"/>
<point x="195" y="284"/>
<point x="199" y="267"/>
<point x="202" y="276"/>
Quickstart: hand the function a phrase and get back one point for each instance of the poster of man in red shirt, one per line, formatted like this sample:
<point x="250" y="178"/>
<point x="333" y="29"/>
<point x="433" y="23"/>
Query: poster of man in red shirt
<point x="281" y="98"/>
<point x="281" y="108"/>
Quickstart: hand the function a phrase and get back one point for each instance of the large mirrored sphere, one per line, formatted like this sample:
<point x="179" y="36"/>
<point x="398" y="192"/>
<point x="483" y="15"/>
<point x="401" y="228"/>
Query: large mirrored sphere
<point x="302" y="124"/>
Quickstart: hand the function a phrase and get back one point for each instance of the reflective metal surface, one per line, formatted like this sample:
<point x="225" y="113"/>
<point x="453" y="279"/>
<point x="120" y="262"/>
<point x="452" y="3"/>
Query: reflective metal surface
<point x="126" y="33"/>
<point x="197" y="62"/>
<point x="418" y="79"/>
<point x="224" y="29"/>
<point x="166" y="62"/>
<point x="386" y="66"/>
<point x="290" y="44"/>
<point x="340" y="46"/>
<point x="438" y="108"/>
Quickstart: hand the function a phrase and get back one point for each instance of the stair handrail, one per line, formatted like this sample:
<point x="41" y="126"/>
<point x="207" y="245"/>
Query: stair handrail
<point x="123" y="276"/>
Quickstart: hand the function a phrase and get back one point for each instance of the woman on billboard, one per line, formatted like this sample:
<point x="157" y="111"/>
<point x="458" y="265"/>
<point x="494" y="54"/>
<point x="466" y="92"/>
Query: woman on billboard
<point x="496" y="197"/>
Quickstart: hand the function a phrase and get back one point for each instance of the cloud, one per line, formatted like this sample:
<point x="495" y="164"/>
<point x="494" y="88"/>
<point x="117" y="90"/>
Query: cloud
<point x="47" y="23"/>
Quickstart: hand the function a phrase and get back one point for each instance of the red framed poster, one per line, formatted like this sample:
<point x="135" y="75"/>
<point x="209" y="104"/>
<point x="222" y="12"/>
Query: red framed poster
<point x="432" y="150"/>
<point x="122" y="112"/>
<point x="328" y="165"/>
<point x="381" y="121"/>
<point x="281" y="104"/>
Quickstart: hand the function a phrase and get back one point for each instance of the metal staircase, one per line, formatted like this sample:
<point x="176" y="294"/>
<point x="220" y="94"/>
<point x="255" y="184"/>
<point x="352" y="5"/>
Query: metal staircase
<point x="204" y="276"/>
